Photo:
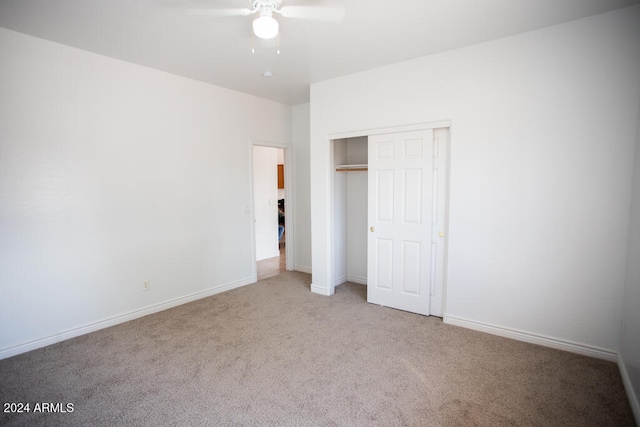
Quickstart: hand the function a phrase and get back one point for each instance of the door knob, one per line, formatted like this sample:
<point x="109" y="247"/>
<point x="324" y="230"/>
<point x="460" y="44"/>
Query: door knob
<point x="441" y="234"/>
<point x="372" y="229"/>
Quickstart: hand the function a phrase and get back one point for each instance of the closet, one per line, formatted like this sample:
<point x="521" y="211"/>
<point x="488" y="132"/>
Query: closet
<point x="403" y="227"/>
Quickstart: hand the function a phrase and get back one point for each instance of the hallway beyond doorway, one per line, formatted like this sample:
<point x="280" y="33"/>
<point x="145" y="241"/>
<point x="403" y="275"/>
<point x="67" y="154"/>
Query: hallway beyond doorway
<point x="272" y="266"/>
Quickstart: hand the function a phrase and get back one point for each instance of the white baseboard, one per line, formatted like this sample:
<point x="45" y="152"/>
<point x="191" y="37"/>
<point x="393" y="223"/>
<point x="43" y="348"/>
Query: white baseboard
<point x="586" y="350"/>
<point x="268" y="256"/>
<point x="318" y="290"/>
<point x="631" y="393"/>
<point x="358" y="280"/>
<point x="112" y="321"/>
<point x="354" y="279"/>
<point x="302" y="268"/>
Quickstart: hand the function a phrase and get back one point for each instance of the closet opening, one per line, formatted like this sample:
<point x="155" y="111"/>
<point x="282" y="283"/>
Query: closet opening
<point x="349" y="175"/>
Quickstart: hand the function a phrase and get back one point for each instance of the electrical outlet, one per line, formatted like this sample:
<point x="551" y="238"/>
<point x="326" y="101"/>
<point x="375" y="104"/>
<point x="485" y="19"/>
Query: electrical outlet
<point x="145" y="285"/>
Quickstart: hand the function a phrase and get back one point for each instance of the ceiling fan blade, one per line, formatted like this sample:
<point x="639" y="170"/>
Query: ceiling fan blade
<point x="315" y="13"/>
<point x="222" y="13"/>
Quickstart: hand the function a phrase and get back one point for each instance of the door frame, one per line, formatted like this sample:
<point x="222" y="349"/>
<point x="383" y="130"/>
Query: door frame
<point x="288" y="203"/>
<point x="331" y="168"/>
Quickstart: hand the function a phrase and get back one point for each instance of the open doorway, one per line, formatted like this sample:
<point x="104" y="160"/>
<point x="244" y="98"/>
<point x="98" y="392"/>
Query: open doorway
<point x="270" y="210"/>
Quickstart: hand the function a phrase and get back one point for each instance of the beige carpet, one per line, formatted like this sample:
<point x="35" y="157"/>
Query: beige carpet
<point x="273" y="353"/>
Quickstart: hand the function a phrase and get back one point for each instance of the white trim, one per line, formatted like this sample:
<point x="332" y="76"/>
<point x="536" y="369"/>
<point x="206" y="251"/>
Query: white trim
<point x="391" y="129"/>
<point x="271" y="255"/>
<point x="290" y="213"/>
<point x="303" y="269"/>
<point x="322" y="291"/>
<point x="273" y="144"/>
<point x="357" y="279"/>
<point x="631" y="394"/>
<point x="331" y="262"/>
<point x="112" y="321"/>
<point x="573" y="347"/>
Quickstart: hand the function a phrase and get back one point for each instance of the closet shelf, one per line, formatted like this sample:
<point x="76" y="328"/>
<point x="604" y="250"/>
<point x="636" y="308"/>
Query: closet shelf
<point x="352" y="168"/>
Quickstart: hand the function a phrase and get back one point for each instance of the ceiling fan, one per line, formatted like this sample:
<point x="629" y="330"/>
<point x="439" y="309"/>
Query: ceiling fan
<point x="265" y="26"/>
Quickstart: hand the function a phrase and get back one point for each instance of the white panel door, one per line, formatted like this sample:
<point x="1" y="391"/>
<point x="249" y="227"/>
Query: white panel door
<point x="400" y="215"/>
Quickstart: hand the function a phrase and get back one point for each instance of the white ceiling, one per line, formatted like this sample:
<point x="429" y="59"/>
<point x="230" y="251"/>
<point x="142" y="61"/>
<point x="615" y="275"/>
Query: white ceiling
<point x="161" y="34"/>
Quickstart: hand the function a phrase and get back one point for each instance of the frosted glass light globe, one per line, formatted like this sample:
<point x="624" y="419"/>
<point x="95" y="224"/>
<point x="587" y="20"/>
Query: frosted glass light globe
<point x="265" y="27"/>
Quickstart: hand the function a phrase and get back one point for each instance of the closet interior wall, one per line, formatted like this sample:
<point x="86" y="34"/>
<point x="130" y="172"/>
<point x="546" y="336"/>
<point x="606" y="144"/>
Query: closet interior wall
<point x="350" y="212"/>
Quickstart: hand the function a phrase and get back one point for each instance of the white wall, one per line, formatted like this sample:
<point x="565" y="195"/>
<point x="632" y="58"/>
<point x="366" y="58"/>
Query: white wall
<point x="265" y="202"/>
<point x="357" y="228"/>
<point x="630" y="340"/>
<point x="542" y="144"/>
<point x="110" y="174"/>
<point x="301" y="188"/>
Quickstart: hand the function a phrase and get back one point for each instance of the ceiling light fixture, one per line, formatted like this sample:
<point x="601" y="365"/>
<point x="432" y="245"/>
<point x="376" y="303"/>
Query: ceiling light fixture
<point x="265" y="26"/>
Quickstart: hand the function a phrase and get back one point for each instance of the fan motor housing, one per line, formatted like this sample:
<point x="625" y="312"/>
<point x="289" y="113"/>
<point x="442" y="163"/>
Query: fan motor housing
<point x="266" y="5"/>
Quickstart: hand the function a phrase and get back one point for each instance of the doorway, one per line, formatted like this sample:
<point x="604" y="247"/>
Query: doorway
<point x="270" y="206"/>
